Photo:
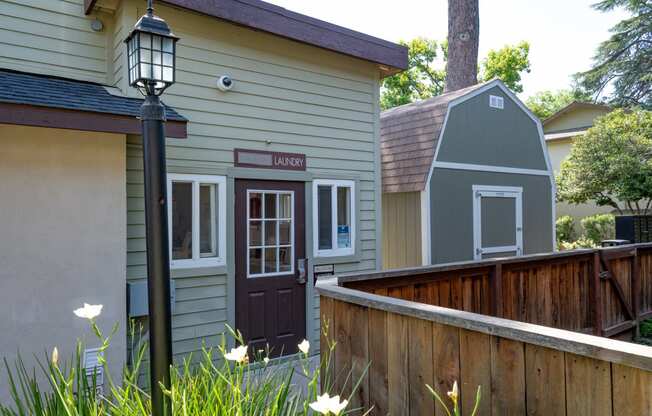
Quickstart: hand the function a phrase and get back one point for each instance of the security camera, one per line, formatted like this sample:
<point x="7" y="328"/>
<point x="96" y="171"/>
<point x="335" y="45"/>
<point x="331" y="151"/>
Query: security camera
<point x="224" y="83"/>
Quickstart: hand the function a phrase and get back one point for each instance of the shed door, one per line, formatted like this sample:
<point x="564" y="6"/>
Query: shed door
<point x="497" y="222"/>
<point x="270" y="264"/>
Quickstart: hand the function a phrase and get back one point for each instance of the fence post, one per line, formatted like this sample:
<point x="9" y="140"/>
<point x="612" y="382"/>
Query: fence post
<point x="596" y="295"/>
<point x="497" y="284"/>
<point x="635" y="292"/>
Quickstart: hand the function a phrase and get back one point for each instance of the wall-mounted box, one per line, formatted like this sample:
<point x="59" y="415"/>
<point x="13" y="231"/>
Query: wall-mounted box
<point x="137" y="298"/>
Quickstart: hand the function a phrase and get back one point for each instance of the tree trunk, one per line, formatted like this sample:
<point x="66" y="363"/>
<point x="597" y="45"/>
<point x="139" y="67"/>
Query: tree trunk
<point x="463" y="39"/>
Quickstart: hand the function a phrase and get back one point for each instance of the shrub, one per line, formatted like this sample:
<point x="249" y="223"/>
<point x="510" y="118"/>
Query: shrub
<point x="599" y="227"/>
<point x="565" y="228"/>
<point x="582" y="242"/>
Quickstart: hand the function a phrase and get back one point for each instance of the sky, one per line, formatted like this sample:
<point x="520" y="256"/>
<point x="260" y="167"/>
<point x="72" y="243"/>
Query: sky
<point x="563" y="34"/>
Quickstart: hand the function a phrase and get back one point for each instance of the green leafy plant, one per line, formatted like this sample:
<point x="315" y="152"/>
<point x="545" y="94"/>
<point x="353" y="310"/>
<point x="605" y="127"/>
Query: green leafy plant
<point x="565" y="228"/>
<point x="226" y="381"/>
<point x="454" y="395"/>
<point x="581" y="242"/>
<point x="599" y="227"/>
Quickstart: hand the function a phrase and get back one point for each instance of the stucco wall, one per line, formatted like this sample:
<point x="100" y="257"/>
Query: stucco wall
<point x="452" y="212"/>
<point x="63" y="229"/>
<point x="559" y="150"/>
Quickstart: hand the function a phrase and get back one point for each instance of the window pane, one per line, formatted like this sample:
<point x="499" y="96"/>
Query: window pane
<point x="270" y="260"/>
<point x="343" y="217"/>
<point x="285" y="206"/>
<point x="167" y="44"/>
<point x="270" y="205"/>
<point x="325" y="219"/>
<point x="270" y="233"/>
<point x="255" y="233"/>
<point x="284" y="232"/>
<point x="255" y="207"/>
<point x="181" y="220"/>
<point x="207" y="221"/>
<point x="285" y="259"/>
<point x="255" y="261"/>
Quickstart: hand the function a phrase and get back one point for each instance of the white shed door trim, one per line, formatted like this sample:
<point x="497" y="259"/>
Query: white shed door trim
<point x="492" y="191"/>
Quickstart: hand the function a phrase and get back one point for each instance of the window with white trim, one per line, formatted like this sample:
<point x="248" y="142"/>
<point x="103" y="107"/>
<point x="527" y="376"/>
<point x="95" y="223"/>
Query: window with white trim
<point x="197" y="220"/>
<point x="333" y="203"/>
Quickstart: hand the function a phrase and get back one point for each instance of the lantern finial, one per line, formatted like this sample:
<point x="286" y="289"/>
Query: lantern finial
<point x="150" y="8"/>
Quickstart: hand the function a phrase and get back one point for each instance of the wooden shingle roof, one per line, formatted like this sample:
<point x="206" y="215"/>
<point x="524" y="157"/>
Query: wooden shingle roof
<point x="408" y="140"/>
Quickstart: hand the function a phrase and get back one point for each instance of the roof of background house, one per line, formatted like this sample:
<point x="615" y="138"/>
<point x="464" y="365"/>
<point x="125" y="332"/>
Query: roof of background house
<point x="260" y="15"/>
<point x="46" y="92"/>
<point x="574" y="106"/>
<point x="408" y="140"/>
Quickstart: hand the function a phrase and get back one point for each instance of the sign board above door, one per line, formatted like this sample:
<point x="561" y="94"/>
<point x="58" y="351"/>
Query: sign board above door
<point x="269" y="160"/>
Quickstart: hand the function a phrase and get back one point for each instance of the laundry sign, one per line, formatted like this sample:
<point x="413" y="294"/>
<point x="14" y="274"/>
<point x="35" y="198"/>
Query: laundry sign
<point x="269" y="160"/>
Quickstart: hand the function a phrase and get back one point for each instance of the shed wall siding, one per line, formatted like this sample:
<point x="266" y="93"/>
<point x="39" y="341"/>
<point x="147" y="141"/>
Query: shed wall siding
<point x="401" y="230"/>
<point x="52" y="37"/>
<point x="287" y="97"/>
<point x="452" y="212"/>
<point x="478" y="134"/>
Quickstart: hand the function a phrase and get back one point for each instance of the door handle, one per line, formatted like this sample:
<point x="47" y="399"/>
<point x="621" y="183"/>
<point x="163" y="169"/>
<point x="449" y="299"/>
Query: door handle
<point x="301" y="266"/>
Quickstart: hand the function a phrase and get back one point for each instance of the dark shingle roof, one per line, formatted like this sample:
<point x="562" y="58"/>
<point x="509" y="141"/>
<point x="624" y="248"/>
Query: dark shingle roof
<point x="408" y="140"/>
<point x="45" y="91"/>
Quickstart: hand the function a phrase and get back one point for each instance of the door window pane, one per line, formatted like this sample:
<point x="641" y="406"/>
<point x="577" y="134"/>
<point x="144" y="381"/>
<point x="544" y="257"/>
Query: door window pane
<point x="285" y="206"/>
<point x="324" y="215"/>
<point x="270" y="205"/>
<point x="255" y="205"/>
<point x="181" y="220"/>
<point x="255" y="260"/>
<point x="207" y="221"/>
<point x="343" y="217"/>
<point x="255" y="233"/>
<point x="285" y="259"/>
<point x="284" y="229"/>
<point x="270" y="233"/>
<point x="270" y="260"/>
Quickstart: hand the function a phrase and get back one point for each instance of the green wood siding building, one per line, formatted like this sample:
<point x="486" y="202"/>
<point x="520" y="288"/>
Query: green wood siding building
<point x="301" y="86"/>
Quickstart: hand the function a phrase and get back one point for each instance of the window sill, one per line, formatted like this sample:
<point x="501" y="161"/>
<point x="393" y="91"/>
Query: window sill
<point x="350" y="257"/>
<point x="198" y="270"/>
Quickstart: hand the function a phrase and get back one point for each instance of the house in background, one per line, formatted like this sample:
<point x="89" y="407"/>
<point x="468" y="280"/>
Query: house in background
<point x="560" y="131"/>
<point x="466" y="176"/>
<point x="272" y="183"/>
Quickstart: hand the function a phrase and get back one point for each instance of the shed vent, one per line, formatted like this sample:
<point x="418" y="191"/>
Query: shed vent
<point x="93" y="367"/>
<point x="496" y="102"/>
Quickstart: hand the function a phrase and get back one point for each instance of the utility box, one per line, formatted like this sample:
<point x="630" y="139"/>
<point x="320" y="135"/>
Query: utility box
<point x="137" y="298"/>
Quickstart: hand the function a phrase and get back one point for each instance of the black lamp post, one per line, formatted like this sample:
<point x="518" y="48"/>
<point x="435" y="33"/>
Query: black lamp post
<point x="151" y="60"/>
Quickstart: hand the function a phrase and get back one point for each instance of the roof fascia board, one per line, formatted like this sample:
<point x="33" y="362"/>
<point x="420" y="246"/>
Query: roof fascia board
<point x="59" y="118"/>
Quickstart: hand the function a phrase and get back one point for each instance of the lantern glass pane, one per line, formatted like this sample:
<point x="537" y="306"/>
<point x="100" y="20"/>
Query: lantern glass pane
<point x="168" y="75"/>
<point x="156" y="72"/>
<point x="167" y="45"/>
<point x="167" y="59"/>
<point x="156" y="57"/>
<point x="145" y="55"/>
<point x="145" y="40"/>
<point x="156" y="42"/>
<point x="145" y="71"/>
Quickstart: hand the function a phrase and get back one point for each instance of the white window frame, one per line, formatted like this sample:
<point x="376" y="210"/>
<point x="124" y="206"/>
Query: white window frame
<point x="277" y="219"/>
<point x="334" y="184"/>
<point x="220" y="220"/>
<point x="494" y="191"/>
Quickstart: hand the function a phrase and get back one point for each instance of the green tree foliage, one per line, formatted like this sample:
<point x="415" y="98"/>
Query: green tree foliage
<point x="546" y="103"/>
<point x="507" y="64"/>
<point x="612" y="162"/>
<point x="565" y="228"/>
<point x="625" y="59"/>
<point x="599" y="227"/>
<point x="421" y="80"/>
<point x="425" y="76"/>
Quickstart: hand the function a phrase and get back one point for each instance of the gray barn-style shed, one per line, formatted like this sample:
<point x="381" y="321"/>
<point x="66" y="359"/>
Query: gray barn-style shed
<point x="465" y="176"/>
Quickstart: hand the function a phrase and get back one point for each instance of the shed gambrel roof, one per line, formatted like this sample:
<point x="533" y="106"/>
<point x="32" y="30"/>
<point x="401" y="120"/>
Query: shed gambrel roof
<point x="408" y="140"/>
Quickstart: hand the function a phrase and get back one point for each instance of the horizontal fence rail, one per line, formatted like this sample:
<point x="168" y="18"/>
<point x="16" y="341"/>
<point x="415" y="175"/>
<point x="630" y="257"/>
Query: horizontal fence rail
<point x="396" y="347"/>
<point x="605" y="292"/>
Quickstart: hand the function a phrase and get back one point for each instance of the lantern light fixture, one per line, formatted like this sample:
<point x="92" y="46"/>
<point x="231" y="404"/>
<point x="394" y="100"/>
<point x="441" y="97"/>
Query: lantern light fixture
<point x="151" y="54"/>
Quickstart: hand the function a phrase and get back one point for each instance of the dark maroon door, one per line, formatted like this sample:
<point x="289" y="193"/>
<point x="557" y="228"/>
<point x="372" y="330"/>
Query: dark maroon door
<point x="270" y="281"/>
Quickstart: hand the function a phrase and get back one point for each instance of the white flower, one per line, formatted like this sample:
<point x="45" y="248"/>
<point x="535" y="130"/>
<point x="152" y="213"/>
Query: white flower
<point x="327" y="405"/>
<point x="238" y="354"/>
<point x="454" y="394"/>
<point x="89" y="311"/>
<point x="55" y="356"/>
<point x="304" y="347"/>
<point x="266" y="360"/>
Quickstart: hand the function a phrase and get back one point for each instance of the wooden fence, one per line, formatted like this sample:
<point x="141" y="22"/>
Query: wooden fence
<point x="522" y="368"/>
<point x="606" y="292"/>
